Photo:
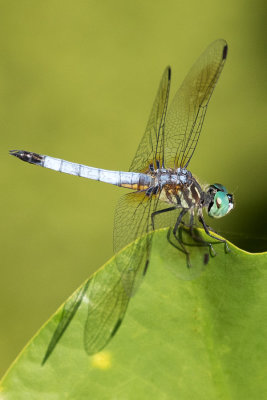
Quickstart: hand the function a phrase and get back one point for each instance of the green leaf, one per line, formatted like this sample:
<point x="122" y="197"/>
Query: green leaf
<point x="197" y="333"/>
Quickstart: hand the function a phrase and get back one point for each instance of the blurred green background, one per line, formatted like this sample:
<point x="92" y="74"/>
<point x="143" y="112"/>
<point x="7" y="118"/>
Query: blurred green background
<point x="77" y="81"/>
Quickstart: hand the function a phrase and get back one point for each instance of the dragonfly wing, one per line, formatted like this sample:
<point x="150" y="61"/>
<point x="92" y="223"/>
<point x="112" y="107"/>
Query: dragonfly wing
<point x="132" y="222"/>
<point x="186" y="113"/>
<point x="107" y="304"/>
<point x="108" y="300"/>
<point x="150" y="148"/>
<point x="68" y="313"/>
<point x="109" y="290"/>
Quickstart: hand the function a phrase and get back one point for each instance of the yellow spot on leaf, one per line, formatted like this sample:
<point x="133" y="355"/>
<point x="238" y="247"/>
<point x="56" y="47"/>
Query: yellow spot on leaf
<point x="102" y="360"/>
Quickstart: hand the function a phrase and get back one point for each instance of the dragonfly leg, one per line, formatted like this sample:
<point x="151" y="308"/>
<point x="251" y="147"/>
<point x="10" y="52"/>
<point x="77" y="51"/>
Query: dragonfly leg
<point x="177" y="232"/>
<point x="179" y="219"/>
<point x="181" y="248"/>
<point x="199" y="239"/>
<point x="178" y="237"/>
<point x="174" y="231"/>
<point x="206" y="228"/>
<point x="153" y="215"/>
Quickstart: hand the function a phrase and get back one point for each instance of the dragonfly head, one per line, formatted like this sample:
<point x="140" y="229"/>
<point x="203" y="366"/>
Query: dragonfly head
<point x="221" y="202"/>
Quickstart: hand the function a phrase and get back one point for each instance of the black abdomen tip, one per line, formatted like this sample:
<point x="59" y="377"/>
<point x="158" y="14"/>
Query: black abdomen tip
<point x="27" y="156"/>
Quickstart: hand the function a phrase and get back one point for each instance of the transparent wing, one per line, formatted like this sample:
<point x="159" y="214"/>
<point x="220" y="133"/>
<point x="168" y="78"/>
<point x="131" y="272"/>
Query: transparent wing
<point x="68" y="312"/>
<point x="186" y="113"/>
<point x="151" y="146"/>
<point x="107" y="304"/>
<point x="109" y="291"/>
<point x="132" y="221"/>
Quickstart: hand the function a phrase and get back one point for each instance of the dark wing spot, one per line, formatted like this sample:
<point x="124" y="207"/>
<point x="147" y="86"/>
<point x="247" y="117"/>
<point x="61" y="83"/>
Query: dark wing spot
<point x="146" y="266"/>
<point x="116" y="327"/>
<point x="169" y="75"/>
<point x="225" y="50"/>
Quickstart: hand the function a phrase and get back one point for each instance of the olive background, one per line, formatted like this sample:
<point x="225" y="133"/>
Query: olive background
<point x="77" y="81"/>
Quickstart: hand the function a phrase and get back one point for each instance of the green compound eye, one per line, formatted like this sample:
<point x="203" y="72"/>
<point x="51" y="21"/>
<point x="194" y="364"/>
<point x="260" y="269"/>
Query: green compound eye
<point x="221" y="203"/>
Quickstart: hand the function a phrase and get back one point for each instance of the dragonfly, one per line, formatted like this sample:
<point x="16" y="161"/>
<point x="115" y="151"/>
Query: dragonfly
<point x="164" y="191"/>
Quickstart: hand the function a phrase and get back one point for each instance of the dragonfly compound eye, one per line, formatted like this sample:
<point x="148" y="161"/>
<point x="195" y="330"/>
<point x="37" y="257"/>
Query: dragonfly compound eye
<point x="221" y="202"/>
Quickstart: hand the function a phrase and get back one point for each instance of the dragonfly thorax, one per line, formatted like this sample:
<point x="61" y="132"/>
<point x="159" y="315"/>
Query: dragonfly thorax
<point x="176" y="187"/>
<point x="169" y="176"/>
